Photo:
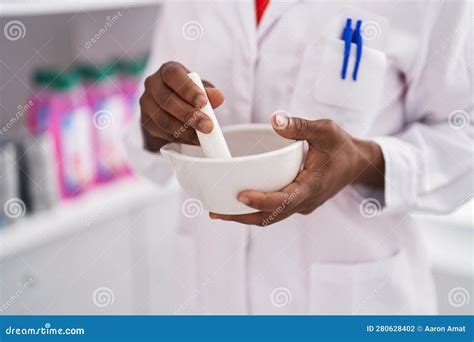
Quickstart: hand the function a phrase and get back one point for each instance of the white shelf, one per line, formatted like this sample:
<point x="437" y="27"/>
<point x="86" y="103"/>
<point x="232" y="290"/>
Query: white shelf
<point x="11" y="8"/>
<point x="78" y="214"/>
<point x="450" y="249"/>
<point x="450" y="240"/>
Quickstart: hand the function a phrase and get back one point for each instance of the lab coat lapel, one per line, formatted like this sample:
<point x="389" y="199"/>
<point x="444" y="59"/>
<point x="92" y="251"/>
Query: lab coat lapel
<point x="247" y="19"/>
<point x="274" y="11"/>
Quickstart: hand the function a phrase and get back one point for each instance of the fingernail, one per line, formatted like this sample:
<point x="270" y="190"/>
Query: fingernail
<point x="244" y="199"/>
<point x="200" y="101"/>
<point x="205" y="125"/>
<point x="280" y="121"/>
<point x="214" y="216"/>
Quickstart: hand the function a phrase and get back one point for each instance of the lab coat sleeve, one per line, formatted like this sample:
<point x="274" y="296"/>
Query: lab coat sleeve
<point x="429" y="164"/>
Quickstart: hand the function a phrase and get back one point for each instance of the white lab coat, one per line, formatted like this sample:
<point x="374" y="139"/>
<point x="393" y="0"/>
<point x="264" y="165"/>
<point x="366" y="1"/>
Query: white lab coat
<point x="339" y="259"/>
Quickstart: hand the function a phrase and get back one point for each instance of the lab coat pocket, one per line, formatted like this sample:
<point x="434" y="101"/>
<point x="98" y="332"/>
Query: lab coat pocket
<point x="376" y="287"/>
<point x="362" y="94"/>
<point x="320" y="88"/>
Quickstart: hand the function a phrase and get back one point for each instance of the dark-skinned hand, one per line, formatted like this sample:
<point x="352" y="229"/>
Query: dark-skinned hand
<point x="170" y="107"/>
<point x="335" y="159"/>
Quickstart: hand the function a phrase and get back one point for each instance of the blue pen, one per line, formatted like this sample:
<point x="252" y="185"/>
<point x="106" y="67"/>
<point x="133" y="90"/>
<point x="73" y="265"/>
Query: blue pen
<point x="347" y="37"/>
<point x="357" y="39"/>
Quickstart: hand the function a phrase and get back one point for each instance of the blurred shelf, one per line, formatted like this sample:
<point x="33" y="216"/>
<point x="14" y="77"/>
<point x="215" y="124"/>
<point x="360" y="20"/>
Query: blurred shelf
<point x="450" y="240"/>
<point x="77" y="214"/>
<point x="10" y="8"/>
<point x="450" y="249"/>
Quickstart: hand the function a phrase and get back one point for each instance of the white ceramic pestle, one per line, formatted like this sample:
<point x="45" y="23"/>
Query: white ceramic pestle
<point x="213" y="144"/>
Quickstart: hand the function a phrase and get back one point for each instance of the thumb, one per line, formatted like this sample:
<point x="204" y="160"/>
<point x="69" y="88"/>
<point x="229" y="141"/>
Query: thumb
<point x="292" y="128"/>
<point x="215" y="96"/>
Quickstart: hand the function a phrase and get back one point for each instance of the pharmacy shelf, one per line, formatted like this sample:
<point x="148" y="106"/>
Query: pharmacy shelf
<point x="15" y="8"/>
<point x="449" y="240"/>
<point x="450" y="249"/>
<point x="78" y="214"/>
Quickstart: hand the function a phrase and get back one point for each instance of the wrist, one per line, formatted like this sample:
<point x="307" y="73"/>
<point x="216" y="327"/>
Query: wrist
<point x="369" y="163"/>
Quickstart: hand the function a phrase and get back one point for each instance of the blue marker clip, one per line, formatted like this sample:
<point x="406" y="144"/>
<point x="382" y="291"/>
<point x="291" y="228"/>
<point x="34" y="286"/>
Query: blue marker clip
<point x="350" y="37"/>
<point x="347" y="38"/>
<point x="357" y="39"/>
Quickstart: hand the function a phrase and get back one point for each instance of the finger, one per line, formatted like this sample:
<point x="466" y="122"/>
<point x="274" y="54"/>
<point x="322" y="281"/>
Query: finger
<point x="215" y="96"/>
<point x="150" y="126"/>
<point x="300" y="129"/>
<point x="306" y="211"/>
<point x="163" y="125"/>
<point x="267" y="201"/>
<point x="148" y="108"/>
<point x="283" y="201"/>
<point x="176" y="77"/>
<point x="156" y="132"/>
<point x="187" y="136"/>
<point x="148" y="105"/>
<point x="169" y="124"/>
<point x="183" y="111"/>
<point x="292" y="127"/>
<point x="261" y="219"/>
<point x="314" y="131"/>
